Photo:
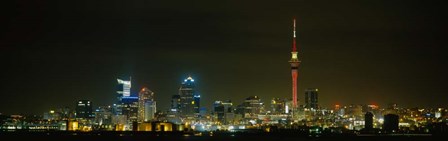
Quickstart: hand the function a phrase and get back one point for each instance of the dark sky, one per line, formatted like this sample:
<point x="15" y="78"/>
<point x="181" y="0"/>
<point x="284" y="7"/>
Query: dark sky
<point x="53" y="53"/>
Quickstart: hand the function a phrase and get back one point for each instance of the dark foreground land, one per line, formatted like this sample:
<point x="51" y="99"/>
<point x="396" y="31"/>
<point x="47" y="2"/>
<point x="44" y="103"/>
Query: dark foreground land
<point x="206" y="136"/>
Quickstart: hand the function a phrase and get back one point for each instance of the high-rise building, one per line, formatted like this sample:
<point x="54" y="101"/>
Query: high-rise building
<point x="123" y="91"/>
<point x="223" y="111"/>
<point x="197" y="102"/>
<point x="189" y="98"/>
<point x="311" y="98"/>
<point x="150" y="110"/>
<point x="130" y="108"/>
<point x="124" y="88"/>
<point x="294" y="68"/>
<point x="252" y="106"/>
<point x="84" y="109"/>
<point x="175" y="103"/>
<point x="146" y="105"/>
<point x="103" y="117"/>
<point x="278" y="106"/>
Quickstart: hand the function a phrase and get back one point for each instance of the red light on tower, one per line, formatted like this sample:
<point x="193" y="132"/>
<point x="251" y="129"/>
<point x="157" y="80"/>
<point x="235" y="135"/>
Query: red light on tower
<point x="337" y="107"/>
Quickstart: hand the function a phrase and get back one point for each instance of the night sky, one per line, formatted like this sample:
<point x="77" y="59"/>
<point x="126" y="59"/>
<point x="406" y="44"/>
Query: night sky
<point x="53" y="53"/>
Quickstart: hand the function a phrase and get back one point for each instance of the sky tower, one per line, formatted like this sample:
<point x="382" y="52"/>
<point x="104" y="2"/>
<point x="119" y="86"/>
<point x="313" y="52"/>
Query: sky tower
<point x="294" y="67"/>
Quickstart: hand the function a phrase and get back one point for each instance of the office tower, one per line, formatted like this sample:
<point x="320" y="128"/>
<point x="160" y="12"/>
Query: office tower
<point x="311" y="98"/>
<point x="146" y="105"/>
<point x="294" y="68"/>
<point x="84" y="109"/>
<point x="189" y="98"/>
<point x="103" y="117"/>
<point x="252" y="107"/>
<point x="197" y="102"/>
<point x="223" y="111"/>
<point x="150" y="110"/>
<point x="278" y="106"/>
<point x="175" y="103"/>
<point x="123" y="91"/>
<point x="130" y="108"/>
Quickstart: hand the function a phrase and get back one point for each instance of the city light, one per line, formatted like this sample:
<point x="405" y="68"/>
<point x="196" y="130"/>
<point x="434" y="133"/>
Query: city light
<point x="268" y="95"/>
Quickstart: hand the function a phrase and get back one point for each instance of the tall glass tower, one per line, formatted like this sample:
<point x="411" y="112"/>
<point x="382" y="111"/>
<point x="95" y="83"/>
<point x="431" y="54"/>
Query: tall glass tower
<point x="189" y="98"/>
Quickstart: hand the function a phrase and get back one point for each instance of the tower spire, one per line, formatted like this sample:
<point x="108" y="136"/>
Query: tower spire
<point x="294" y="48"/>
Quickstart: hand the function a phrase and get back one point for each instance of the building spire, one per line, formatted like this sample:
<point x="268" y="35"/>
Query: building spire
<point x="294" y="48"/>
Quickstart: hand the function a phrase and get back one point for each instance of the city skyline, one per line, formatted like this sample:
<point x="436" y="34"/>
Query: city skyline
<point x="353" y="52"/>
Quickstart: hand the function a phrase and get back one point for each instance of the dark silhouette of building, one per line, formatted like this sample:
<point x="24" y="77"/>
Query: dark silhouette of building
<point x="84" y="109"/>
<point x="390" y="123"/>
<point x="311" y="98"/>
<point x="368" y="118"/>
<point x="175" y="103"/>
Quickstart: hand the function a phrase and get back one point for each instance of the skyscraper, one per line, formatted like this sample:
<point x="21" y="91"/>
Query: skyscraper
<point x="84" y="109"/>
<point x="252" y="106"/>
<point x="278" y="106"/>
<point x="223" y="111"/>
<point x="130" y="108"/>
<point x="294" y="67"/>
<point x="311" y="98"/>
<point x="124" y="88"/>
<point x="146" y="105"/>
<point x="175" y="103"/>
<point x="123" y="91"/>
<point x="189" y="98"/>
<point x="150" y="110"/>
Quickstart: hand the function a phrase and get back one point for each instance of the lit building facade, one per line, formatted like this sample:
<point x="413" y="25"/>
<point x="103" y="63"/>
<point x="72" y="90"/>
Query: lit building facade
<point x="123" y="91"/>
<point x="130" y="108"/>
<point x="146" y="105"/>
<point x="150" y="110"/>
<point x="252" y="106"/>
<point x="103" y="117"/>
<point x="278" y="106"/>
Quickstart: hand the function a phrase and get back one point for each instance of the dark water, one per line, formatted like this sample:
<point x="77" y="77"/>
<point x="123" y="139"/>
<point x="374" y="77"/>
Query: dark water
<point x="157" y="136"/>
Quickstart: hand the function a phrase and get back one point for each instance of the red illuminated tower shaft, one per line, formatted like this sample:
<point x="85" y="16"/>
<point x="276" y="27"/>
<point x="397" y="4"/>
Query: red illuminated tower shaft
<point x="294" y="68"/>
